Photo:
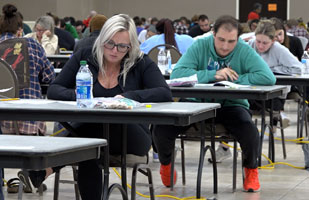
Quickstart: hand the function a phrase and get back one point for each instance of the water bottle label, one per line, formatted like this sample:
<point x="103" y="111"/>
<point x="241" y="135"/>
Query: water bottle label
<point x="83" y="92"/>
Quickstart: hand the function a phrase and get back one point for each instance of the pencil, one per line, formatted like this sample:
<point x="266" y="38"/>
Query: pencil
<point x="11" y="99"/>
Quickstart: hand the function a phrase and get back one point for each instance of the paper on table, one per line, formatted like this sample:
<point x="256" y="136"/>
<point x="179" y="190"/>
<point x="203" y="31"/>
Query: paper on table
<point x="6" y="89"/>
<point x="224" y="83"/>
<point x="30" y="101"/>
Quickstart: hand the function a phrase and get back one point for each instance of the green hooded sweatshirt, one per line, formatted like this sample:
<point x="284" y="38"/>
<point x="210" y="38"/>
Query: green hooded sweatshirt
<point x="202" y="59"/>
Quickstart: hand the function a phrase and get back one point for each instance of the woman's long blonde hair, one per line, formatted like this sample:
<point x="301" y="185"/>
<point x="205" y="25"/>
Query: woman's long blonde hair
<point x="118" y="23"/>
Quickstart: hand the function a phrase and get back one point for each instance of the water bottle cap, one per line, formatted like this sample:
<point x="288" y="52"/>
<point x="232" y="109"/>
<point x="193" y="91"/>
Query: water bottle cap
<point x="303" y="61"/>
<point x="83" y="62"/>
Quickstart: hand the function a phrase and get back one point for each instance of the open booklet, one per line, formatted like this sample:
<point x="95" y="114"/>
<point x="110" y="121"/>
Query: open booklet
<point x="224" y="84"/>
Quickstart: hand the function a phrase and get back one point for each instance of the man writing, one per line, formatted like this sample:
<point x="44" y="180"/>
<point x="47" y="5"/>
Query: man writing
<point x="215" y="58"/>
<point x="202" y="27"/>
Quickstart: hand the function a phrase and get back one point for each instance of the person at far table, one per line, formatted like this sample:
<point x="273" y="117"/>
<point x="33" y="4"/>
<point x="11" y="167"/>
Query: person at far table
<point x="121" y="70"/>
<point x="43" y="32"/>
<point x="41" y="70"/>
<point x="222" y="56"/>
<point x="279" y="59"/>
<point x="202" y="27"/>
<point x="166" y="35"/>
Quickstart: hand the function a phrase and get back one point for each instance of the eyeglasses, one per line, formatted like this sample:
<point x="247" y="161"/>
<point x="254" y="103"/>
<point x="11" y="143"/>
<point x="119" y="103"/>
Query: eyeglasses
<point x="40" y="30"/>
<point x="123" y="48"/>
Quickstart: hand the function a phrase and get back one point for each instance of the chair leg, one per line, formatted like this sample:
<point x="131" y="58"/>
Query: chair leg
<point x="282" y="139"/>
<point x="183" y="164"/>
<point x="57" y="181"/>
<point x="200" y="170"/>
<point x="75" y="176"/>
<point x="140" y="167"/>
<point x="234" y="165"/>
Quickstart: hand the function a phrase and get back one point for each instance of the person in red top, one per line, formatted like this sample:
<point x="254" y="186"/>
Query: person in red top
<point x="257" y="8"/>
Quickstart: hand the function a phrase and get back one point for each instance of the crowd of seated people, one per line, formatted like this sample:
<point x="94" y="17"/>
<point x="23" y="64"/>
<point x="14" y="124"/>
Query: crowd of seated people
<point x="117" y="48"/>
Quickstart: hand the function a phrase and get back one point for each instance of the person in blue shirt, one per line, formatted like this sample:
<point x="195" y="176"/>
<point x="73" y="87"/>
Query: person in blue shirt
<point x="167" y="35"/>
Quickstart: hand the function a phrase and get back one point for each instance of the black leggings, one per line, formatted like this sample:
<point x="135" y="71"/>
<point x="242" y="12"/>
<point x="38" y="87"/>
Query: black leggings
<point x="237" y="120"/>
<point x="89" y="173"/>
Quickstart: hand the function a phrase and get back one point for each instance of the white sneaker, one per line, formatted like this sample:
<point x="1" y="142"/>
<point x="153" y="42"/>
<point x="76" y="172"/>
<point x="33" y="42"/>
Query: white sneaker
<point x="221" y="154"/>
<point x="285" y="120"/>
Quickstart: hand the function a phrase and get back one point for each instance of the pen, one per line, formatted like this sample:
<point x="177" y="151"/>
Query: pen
<point x="11" y="99"/>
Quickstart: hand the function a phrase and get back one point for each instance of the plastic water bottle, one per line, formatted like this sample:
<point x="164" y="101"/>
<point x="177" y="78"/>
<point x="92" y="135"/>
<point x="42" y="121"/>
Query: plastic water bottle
<point x="169" y="61"/>
<point x="162" y="61"/>
<point x="305" y="62"/>
<point x="84" y="84"/>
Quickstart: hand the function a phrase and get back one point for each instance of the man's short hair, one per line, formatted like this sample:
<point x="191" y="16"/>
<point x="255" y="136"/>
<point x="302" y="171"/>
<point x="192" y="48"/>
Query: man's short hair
<point x="202" y="18"/>
<point x="229" y="24"/>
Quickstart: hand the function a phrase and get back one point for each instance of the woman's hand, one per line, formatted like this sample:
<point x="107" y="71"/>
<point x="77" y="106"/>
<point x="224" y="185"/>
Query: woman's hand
<point x="47" y="33"/>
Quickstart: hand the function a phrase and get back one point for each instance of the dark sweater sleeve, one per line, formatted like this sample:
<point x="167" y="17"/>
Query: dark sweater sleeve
<point x="153" y="85"/>
<point x="296" y="47"/>
<point x="63" y="87"/>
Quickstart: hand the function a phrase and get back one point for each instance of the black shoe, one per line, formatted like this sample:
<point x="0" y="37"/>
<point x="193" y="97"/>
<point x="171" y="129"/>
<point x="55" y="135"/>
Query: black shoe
<point x="37" y="177"/>
<point x="24" y="178"/>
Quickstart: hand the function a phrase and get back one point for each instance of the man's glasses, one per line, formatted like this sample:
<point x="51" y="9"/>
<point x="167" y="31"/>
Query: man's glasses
<point x="123" y="48"/>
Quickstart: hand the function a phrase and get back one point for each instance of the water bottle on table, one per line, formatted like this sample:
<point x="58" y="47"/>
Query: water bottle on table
<point x="162" y="61"/>
<point x="169" y="61"/>
<point x="305" y="62"/>
<point x="84" y="84"/>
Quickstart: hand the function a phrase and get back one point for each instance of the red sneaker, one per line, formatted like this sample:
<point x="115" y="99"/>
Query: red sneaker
<point x="251" y="183"/>
<point x="165" y="171"/>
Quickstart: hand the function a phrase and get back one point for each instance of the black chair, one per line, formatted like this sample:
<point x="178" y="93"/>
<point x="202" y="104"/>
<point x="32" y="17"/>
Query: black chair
<point x="138" y="163"/>
<point x="194" y="133"/>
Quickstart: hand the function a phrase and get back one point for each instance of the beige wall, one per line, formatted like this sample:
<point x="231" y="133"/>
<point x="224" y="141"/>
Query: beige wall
<point x="172" y="9"/>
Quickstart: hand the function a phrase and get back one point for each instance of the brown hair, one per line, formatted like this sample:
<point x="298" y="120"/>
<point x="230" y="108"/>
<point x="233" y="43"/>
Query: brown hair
<point x="278" y="24"/>
<point x="11" y="19"/>
<point x="266" y="27"/>
<point x="229" y="23"/>
<point x="166" y="26"/>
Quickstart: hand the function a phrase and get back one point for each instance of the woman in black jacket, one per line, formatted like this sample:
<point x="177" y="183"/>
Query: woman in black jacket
<point x="119" y="69"/>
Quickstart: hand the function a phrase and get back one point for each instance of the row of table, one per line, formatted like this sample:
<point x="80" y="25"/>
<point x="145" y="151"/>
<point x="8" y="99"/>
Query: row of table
<point x="179" y="114"/>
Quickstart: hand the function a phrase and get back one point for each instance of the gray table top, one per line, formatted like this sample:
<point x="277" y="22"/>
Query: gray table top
<point x="160" y="113"/>
<point x="217" y="92"/>
<point x="42" y="145"/>
<point x="35" y="152"/>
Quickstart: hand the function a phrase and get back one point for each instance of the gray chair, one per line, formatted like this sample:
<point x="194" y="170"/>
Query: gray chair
<point x="175" y="54"/>
<point x="8" y="80"/>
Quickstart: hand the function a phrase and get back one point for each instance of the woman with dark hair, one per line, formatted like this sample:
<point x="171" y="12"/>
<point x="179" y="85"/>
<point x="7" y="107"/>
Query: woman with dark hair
<point x="167" y="35"/>
<point x="291" y="42"/>
<point x="41" y="70"/>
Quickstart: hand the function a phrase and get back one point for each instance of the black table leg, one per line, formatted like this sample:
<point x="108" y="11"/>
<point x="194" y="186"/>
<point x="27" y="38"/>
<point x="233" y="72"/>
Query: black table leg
<point x="262" y="133"/>
<point x="123" y="157"/>
<point x="106" y="163"/>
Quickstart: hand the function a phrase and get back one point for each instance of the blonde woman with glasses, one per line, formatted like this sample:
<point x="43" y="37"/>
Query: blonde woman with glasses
<point x="119" y="69"/>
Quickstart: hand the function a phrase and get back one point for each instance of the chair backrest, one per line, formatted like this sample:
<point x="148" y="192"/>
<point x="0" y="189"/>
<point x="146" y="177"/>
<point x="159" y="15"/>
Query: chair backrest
<point x="8" y="80"/>
<point x="304" y="41"/>
<point x="15" y="52"/>
<point x="175" y="54"/>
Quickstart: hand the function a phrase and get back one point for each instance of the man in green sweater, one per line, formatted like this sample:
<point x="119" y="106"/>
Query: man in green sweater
<point x="222" y="56"/>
